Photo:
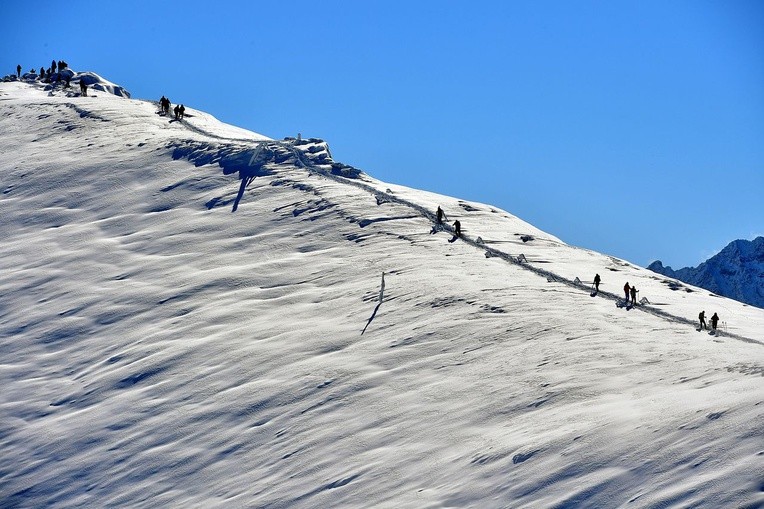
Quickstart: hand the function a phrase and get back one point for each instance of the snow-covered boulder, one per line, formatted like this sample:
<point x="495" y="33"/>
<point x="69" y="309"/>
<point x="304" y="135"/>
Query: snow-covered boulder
<point x="96" y="82"/>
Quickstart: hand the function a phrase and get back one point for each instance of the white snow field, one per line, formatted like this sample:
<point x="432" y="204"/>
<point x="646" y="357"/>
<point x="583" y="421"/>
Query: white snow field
<point x="194" y="315"/>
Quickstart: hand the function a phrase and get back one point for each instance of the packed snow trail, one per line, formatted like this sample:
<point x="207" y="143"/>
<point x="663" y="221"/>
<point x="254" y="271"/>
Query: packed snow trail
<point x="383" y="197"/>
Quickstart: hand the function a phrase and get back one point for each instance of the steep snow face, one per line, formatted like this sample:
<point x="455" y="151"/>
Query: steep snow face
<point x="193" y="315"/>
<point x="736" y="272"/>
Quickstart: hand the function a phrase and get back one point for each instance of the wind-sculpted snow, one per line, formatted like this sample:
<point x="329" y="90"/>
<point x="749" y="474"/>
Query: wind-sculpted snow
<point x="249" y="163"/>
<point x="313" y="153"/>
<point x="325" y="345"/>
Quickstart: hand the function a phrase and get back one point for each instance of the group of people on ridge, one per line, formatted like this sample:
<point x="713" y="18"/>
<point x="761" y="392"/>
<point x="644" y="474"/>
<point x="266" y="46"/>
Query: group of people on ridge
<point x="54" y="68"/>
<point x="164" y="106"/>
<point x="53" y="73"/>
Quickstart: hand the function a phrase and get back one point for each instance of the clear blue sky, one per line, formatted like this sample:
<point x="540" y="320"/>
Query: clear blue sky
<point x="632" y="128"/>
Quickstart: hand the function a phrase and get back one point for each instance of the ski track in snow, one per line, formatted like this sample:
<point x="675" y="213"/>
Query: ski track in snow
<point x="157" y="350"/>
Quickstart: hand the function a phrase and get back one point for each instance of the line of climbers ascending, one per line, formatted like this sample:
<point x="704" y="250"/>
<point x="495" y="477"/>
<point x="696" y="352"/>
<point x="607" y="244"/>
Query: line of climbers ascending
<point x="164" y="108"/>
<point x="439" y="216"/>
<point x="630" y="291"/>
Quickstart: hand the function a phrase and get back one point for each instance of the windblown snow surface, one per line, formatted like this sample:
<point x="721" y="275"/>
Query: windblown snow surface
<point x="194" y="315"/>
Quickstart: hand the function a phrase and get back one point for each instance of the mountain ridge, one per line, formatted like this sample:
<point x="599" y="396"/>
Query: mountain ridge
<point x="737" y="272"/>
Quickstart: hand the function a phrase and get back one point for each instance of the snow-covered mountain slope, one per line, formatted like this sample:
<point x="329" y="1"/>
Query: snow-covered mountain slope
<point x="737" y="272"/>
<point x="159" y="349"/>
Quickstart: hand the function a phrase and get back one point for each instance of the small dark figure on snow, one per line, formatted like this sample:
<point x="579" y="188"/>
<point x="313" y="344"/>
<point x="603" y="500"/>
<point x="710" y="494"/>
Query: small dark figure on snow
<point x="714" y="321"/>
<point x="596" y="282"/>
<point x="457" y="231"/>
<point x="634" y="295"/>
<point x="702" y="318"/>
<point x="83" y="89"/>
<point x="182" y="111"/>
<point x="439" y="215"/>
<point x="626" y="290"/>
<point x="18" y="70"/>
<point x="177" y="111"/>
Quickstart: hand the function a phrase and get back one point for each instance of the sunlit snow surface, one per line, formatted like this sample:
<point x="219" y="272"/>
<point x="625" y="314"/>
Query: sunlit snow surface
<point x="158" y="349"/>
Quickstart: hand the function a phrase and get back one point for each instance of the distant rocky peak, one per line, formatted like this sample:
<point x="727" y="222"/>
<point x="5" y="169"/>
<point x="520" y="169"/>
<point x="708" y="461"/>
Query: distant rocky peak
<point x="737" y="272"/>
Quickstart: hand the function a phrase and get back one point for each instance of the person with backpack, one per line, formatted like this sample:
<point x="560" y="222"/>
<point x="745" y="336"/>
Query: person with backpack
<point x="702" y="319"/>
<point x="634" y="295"/>
<point x="182" y="111"/>
<point x="176" y="110"/>
<point x="714" y="321"/>
<point x="457" y="231"/>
